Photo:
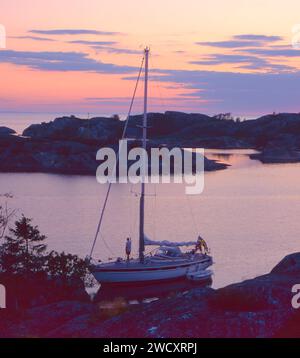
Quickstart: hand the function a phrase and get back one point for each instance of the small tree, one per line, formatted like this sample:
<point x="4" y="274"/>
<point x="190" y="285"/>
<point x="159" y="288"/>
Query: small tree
<point x="66" y="268"/>
<point x="29" y="271"/>
<point x="22" y="251"/>
<point x="6" y="213"/>
<point x="116" y="117"/>
<point x="224" y="116"/>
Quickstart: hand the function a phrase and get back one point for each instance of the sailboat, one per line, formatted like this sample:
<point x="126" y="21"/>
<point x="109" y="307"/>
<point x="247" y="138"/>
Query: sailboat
<point x="169" y="262"/>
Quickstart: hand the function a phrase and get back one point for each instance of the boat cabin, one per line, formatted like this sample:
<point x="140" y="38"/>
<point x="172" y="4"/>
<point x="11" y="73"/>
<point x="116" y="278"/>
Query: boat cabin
<point x="168" y="252"/>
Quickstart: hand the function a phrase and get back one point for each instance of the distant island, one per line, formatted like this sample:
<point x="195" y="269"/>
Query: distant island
<point x="68" y="145"/>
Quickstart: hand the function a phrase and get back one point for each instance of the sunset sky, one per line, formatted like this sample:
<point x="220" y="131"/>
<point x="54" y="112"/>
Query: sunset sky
<point x="206" y="56"/>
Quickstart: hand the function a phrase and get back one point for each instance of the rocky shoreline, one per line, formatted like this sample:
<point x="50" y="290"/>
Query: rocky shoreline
<point x="68" y="145"/>
<point x="260" y="307"/>
<point x="273" y="155"/>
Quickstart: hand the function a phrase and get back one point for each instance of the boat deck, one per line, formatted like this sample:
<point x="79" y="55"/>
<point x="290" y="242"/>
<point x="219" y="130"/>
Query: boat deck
<point x="151" y="263"/>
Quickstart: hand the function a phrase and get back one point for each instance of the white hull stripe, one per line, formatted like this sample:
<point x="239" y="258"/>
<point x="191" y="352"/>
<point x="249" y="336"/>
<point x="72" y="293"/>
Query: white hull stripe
<point x="95" y="269"/>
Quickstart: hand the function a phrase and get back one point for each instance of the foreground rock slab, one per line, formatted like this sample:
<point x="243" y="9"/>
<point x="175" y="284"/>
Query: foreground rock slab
<point x="260" y="307"/>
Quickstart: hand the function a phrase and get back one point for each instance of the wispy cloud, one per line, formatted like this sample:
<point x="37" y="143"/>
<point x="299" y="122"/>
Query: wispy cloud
<point x="34" y="38"/>
<point x="94" y="43"/>
<point x="126" y="99"/>
<point x="117" y="50"/>
<point x="73" y="32"/>
<point x="262" y="38"/>
<point x="240" y="92"/>
<point x="217" y="59"/>
<point x="275" y="52"/>
<point x="123" y="102"/>
<point x="248" y="62"/>
<point x="61" y="61"/>
<point x="230" y="44"/>
<point x="251" y="52"/>
<point x="241" y="41"/>
<point x="106" y="46"/>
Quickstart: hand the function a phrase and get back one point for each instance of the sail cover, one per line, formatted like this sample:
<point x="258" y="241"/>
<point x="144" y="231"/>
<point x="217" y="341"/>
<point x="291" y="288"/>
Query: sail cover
<point x="149" y="242"/>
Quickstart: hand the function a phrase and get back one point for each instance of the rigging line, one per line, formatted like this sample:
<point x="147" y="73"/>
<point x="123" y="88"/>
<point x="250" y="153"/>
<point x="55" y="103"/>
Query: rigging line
<point x="117" y="159"/>
<point x="192" y="215"/>
<point x="132" y="212"/>
<point x="155" y="211"/>
<point x="106" y="245"/>
<point x="158" y="87"/>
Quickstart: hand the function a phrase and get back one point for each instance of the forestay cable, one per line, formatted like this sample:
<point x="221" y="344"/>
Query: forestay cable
<point x="117" y="159"/>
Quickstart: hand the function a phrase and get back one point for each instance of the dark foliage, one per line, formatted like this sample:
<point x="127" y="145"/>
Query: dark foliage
<point x="31" y="274"/>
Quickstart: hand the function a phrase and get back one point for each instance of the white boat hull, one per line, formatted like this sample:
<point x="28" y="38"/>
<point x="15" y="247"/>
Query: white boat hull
<point x="148" y="274"/>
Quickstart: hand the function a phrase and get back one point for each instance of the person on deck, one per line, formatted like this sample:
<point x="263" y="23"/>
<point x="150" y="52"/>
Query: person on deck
<point x="205" y="247"/>
<point x="198" y="246"/>
<point x="128" y="248"/>
<point x="201" y="245"/>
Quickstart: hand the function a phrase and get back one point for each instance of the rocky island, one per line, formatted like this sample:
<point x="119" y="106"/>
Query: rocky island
<point x="69" y="144"/>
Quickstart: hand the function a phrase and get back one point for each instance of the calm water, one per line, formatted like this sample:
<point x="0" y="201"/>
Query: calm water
<point x="249" y="214"/>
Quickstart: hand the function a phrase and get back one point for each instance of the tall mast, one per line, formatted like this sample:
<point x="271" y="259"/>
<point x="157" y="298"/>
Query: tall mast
<point x="142" y="198"/>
